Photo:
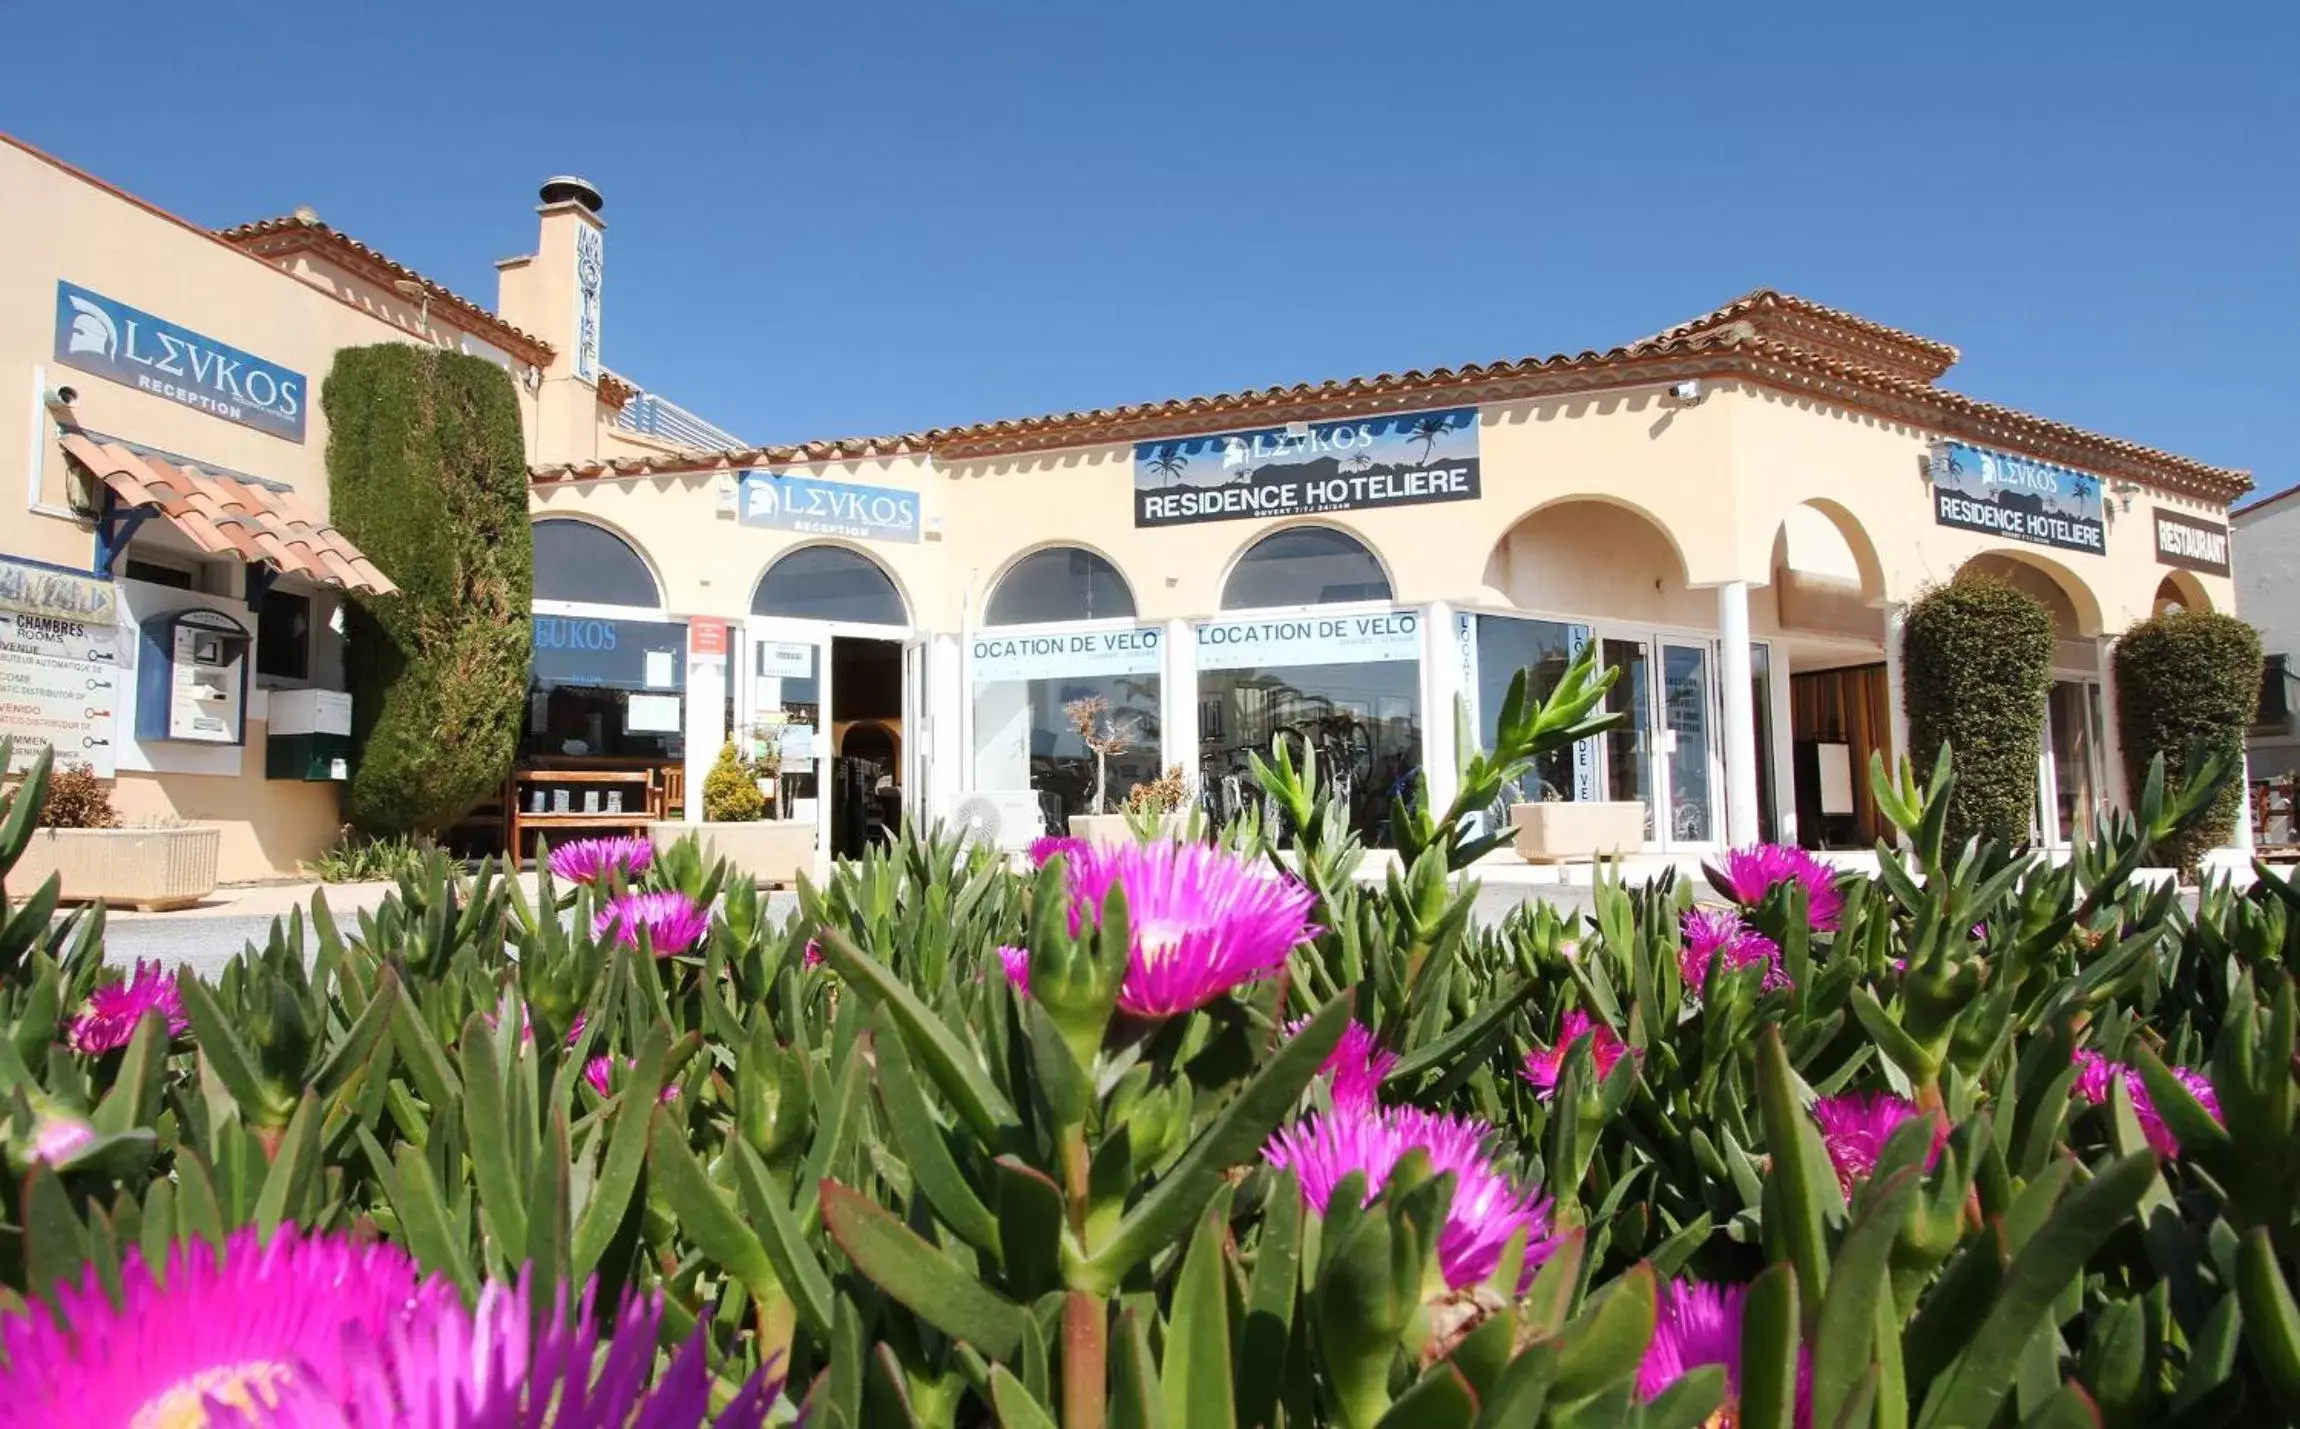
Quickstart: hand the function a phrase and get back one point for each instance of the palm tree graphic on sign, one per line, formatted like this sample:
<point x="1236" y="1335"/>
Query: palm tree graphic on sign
<point x="1169" y="463"/>
<point x="1428" y="431"/>
<point x="2080" y="489"/>
<point x="1359" y="462"/>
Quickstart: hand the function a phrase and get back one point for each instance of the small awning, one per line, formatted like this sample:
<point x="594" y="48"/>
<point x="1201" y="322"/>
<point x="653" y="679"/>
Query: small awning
<point x="230" y="515"/>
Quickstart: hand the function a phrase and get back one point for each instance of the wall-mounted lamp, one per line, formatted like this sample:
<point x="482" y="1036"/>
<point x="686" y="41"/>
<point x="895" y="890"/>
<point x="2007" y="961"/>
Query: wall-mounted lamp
<point x="2125" y="491"/>
<point x="414" y="291"/>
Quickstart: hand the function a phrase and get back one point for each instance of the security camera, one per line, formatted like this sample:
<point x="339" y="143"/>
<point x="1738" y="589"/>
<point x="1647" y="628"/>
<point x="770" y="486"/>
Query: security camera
<point x="63" y="396"/>
<point x="1687" y="391"/>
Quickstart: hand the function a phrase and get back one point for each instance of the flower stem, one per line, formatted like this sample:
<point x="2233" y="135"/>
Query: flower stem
<point x="1085" y="1360"/>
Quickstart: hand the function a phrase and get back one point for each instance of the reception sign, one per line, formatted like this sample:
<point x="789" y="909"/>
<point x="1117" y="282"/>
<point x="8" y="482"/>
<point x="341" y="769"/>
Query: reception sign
<point x="2032" y="501"/>
<point x="829" y="508"/>
<point x="2191" y="544"/>
<point x="132" y="347"/>
<point x="1309" y="640"/>
<point x="1406" y="460"/>
<point x="1065" y="654"/>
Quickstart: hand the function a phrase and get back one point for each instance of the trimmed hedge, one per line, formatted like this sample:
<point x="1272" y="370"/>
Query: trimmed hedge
<point x="1976" y="666"/>
<point x="2183" y="682"/>
<point x="427" y="474"/>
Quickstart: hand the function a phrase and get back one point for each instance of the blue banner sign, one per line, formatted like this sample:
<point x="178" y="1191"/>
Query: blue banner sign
<point x="1409" y="459"/>
<point x="829" y="508"/>
<point x="130" y="346"/>
<point x="2032" y="501"/>
<point x="616" y="654"/>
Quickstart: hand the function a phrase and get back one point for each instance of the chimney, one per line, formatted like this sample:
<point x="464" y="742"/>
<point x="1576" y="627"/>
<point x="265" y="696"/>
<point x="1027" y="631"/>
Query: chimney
<point x="554" y="293"/>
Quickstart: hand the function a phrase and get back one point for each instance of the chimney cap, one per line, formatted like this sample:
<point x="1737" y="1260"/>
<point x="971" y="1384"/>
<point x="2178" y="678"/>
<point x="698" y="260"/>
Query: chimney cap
<point x="560" y="188"/>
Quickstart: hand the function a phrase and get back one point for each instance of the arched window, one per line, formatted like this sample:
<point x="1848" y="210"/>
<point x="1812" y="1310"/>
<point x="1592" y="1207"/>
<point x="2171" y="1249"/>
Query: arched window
<point x="577" y="561"/>
<point x="1060" y="583"/>
<point x="1307" y="565"/>
<point x="829" y="583"/>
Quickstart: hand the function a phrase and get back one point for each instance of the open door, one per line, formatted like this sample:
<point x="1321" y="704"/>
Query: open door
<point x="787" y="713"/>
<point x="918" y="735"/>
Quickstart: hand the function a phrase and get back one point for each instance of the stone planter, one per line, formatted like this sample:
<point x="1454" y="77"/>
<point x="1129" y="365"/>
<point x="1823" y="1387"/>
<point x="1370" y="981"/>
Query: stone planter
<point x="146" y="868"/>
<point x="1104" y="830"/>
<point x="765" y="850"/>
<point x="1557" y="832"/>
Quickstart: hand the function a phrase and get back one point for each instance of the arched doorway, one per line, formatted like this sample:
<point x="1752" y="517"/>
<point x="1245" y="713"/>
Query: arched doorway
<point x="1828" y="596"/>
<point x="832" y="666"/>
<point x="2179" y="593"/>
<point x="1310" y="652"/>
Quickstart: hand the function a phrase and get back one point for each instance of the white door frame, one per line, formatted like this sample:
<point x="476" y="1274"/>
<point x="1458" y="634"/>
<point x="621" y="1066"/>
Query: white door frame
<point x="784" y="629"/>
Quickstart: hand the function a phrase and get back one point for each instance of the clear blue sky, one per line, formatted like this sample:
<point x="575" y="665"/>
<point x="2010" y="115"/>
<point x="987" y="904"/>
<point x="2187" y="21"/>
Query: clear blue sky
<point x="855" y="218"/>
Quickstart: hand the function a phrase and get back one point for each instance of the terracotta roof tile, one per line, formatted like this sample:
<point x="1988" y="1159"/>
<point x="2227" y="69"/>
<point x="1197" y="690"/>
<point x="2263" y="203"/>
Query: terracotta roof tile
<point x="273" y="238"/>
<point x="225" y="514"/>
<point x="1774" y="339"/>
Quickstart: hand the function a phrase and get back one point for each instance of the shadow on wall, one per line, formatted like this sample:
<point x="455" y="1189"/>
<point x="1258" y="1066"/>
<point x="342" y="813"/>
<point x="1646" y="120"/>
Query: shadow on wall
<point x="270" y="826"/>
<point x="1589" y="557"/>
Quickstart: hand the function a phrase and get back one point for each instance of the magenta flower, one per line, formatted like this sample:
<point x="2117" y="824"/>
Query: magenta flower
<point x="813" y="957"/>
<point x="107" y="1020"/>
<point x="1203" y="921"/>
<point x="1746" y="875"/>
<point x="600" y="1073"/>
<point x="1855" y="1128"/>
<point x="2092" y="1084"/>
<point x="1487" y="1208"/>
<point x="672" y="920"/>
<point x="311" y="1329"/>
<point x="1016" y="961"/>
<point x="1700" y="1325"/>
<point x="1042" y="850"/>
<point x="592" y="860"/>
<point x="1355" y="1068"/>
<point x="1543" y="1064"/>
<point x="1713" y="932"/>
<point x="58" y="1137"/>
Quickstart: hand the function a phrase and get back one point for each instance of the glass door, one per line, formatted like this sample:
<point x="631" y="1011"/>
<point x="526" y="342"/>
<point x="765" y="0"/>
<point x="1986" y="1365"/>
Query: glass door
<point x="1628" y="751"/>
<point x="917" y="740"/>
<point x="786" y="718"/>
<point x="2070" y="779"/>
<point x="1687" y="746"/>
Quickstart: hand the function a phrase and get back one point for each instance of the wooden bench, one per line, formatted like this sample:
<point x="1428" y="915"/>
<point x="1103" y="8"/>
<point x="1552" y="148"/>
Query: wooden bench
<point x="633" y="818"/>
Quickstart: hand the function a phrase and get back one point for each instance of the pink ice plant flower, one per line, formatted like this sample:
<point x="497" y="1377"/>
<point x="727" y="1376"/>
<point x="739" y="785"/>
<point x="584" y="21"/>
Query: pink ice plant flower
<point x="320" y="1329"/>
<point x="673" y="921"/>
<point x="1543" y="1064"/>
<point x="592" y="860"/>
<point x="1749" y="874"/>
<point x="813" y="957"/>
<point x="1487" y="1209"/>
<point x="1355" y="1068"/>
<point x="1710" y="933"/>
<point x="1697" y="1325"/>
<point x="58" y="1137"/>
<point x="1016" y="961"/>
<point x="107" y="1021"/>
<point x="1203" y="921"/>
<point x="600" y="1073"/>
<point x="1044" y="850"/>
<point x="1856" y="1126"/>
<point x="2092" y="1084"/>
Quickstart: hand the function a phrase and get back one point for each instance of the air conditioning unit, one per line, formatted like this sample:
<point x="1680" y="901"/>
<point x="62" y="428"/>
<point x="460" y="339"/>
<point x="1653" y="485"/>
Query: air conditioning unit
<point x="1004" y="818"/>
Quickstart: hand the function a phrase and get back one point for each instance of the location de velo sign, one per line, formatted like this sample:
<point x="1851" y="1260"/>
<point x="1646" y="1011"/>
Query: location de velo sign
<point x="130" y="346"/>
<point x="1408" y="459"/>
<point x="1309" y="640"/>
<point x="1131" y="651"/>
<point x="2032" y="501"/>
<point x="829" y="508"/>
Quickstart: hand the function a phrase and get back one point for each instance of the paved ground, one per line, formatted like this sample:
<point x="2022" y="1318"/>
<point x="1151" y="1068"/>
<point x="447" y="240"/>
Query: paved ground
<point x="207" y="937"/>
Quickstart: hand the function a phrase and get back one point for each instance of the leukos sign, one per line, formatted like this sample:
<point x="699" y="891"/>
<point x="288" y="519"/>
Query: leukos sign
<point x="1084" y="654"/>
<point x="1370" y="639"/>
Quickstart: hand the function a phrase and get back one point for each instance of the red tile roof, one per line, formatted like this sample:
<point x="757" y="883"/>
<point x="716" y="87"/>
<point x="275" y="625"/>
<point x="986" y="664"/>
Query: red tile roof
<point x="274" y="238"/>
<point x="1773" y="339"/>
<point x="225" y="514"/>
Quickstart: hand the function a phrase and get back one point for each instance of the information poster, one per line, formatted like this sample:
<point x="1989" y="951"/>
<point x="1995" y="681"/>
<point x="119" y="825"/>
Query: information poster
<point x="59" y="686"/>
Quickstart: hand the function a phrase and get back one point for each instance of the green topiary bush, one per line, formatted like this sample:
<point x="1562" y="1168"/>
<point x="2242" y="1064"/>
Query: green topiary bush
<point x="2186" y="681"/>
<point x="1976" y="667"/>
<point x="427" y="474"/>
<point x="731" y="792"/>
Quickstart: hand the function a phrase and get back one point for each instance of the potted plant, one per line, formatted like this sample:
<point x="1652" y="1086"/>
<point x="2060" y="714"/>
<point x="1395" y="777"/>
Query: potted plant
<point x="1558" y="830"/>
<point x="1103" y="737"/>
<point x="79" y="842"/>
<point x="1160" y="808"/>
<point x="736" y="828"/>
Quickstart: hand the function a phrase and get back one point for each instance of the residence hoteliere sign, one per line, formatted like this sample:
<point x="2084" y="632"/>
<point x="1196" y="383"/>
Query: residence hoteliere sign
<point x="2191" y="544"/>
<point x="2032" y="501"/>
<point x="1410" y="459"/>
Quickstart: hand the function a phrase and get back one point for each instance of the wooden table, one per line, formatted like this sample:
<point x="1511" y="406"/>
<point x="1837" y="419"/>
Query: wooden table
<point x="634" y="817"/>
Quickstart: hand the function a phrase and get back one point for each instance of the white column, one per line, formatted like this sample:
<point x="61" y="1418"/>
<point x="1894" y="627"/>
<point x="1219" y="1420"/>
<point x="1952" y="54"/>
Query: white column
<point x="706" y="724"/>
<point x="1740" y="733"/>
<point x="948" y="707"/>
<point x="2245" y="834"/>
<point x="1896" y="633"/>
<point x="1441" y="699"/>
<point x="1178" y="699"/>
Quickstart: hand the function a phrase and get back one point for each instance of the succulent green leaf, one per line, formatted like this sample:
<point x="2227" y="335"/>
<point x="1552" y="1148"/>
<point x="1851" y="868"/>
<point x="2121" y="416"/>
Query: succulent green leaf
<point x="917" y="1275"/>
<point x="1194" y="1381"/>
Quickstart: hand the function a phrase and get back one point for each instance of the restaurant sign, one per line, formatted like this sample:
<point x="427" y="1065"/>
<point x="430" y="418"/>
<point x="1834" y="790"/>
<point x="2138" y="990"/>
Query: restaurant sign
<point x="829" y="508"/>
<point x="1309" y="640"/>
<point x="2032" y="501"/>
<point x="1410" y="459"/>
<point x="2191" y="544"/>
<point x="130" y="346"/>
<point x="1081" y="655"/>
